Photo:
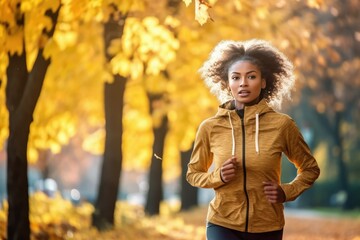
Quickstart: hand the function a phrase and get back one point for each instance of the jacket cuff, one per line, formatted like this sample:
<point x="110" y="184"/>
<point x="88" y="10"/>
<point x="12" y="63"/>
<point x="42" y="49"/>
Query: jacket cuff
<point x="289" y="192"/>
<point x="217" y="178"/>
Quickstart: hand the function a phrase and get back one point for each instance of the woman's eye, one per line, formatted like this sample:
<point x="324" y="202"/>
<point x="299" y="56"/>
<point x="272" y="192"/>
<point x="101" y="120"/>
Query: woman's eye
<point x="234" y="77"/>
<point x="252" y="77"/>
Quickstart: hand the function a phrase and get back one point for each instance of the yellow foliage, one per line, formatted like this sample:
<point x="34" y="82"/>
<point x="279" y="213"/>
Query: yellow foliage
<point x="35" y="23"/>
<point x="14" y="42"/>
<point x="146" y="47"/>
<point x="7" y="13"/>
<point x="59" y="219"/>
<point x="127" y="5"/>
<point x="71" y="98"/>
<point x="94" y="143"/>
<point x="65" y="36"/>
<point x="137" y="128"/>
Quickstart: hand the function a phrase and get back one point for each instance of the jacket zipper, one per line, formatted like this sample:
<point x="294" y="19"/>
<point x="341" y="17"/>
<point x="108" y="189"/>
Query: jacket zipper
<point x="244" y="172"/>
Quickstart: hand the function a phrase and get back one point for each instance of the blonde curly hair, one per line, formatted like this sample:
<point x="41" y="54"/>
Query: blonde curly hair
<point x="275" y="68"/>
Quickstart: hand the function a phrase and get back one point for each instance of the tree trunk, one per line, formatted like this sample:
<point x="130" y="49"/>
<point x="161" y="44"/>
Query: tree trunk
<point x="17" y="182"/>
<point x="155" y="192"/>
<point x="103" y="217"/>
<point x="189" y="198"/>
<point x="339" y="154"/>
<point x="22" y="93"/>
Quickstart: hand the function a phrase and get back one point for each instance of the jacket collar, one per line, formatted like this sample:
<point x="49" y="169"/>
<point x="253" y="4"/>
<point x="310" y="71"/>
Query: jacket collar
<point x="249" y="111"/>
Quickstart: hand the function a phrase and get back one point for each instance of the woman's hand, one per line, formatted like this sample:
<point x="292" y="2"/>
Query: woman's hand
<point x="227" y="170"/>
<point x="274" y="193"/>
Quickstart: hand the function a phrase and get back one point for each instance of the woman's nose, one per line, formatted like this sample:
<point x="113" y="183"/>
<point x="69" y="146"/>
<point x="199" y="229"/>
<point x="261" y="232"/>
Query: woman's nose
<point x="243" y="82"/>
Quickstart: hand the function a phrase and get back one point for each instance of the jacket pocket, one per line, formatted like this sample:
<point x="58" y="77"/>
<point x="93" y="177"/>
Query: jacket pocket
<point x="264" y="214"/>
<point x="230" y="206"/>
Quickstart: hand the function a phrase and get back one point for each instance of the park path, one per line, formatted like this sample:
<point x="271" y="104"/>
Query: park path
<point x="310" y="225"/>
<point x="300" y="225"/>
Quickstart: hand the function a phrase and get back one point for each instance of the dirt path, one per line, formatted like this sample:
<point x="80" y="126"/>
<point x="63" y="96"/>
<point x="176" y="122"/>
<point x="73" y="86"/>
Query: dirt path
<point x="307" y="225"/>
<point x="302" y="225"/>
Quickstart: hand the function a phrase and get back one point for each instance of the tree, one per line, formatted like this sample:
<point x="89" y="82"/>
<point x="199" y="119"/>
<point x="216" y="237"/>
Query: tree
<point x="155" y="192"/>
<point x="189" y="198"/>
<point x="22" y="92"/>
<point x="103" y="217"/>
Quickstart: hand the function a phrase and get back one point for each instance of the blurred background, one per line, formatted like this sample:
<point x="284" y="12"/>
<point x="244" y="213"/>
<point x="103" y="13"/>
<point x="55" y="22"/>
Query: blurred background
<point x="116" y="113"/>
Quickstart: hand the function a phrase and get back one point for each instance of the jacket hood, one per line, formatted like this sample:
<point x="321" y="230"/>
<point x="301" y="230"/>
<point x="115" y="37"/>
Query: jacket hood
<point x="250" y="112"/>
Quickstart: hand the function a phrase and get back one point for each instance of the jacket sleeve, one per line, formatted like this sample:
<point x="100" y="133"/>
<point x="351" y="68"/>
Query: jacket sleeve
<point x="299" y="154"/>
<point x="201" y="160"/>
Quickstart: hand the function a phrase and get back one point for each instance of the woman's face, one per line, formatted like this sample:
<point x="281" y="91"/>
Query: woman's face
<point x="245" y="83"/>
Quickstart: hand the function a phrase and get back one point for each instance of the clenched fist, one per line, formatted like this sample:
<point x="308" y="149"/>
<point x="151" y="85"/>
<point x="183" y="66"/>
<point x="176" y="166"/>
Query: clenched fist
<point x="228" y="169"/>
<point x="273" y="192"/>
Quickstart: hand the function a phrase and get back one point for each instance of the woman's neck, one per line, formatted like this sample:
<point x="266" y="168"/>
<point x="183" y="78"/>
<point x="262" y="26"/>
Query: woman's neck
<point x="239" y="105"/>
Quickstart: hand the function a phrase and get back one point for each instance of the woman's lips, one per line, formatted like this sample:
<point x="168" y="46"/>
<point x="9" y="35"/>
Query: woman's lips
<point x="243" y="93"/>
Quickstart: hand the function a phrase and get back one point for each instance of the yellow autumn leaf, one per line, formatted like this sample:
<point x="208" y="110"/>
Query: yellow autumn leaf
<point x="201" y="12"/>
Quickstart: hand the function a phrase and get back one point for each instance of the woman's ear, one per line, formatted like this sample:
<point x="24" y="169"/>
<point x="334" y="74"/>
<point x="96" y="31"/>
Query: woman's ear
<point x="263" y="83"/>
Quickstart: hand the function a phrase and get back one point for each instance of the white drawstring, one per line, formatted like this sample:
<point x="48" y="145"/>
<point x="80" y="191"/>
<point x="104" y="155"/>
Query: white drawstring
<point x="257" y="133"/>
<point x="233" y="136"/>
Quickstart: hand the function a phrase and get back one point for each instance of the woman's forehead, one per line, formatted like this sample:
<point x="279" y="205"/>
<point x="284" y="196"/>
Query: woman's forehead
<point x="243" y="66"/>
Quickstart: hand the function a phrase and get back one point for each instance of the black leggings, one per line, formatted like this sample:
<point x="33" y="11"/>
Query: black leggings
<point x="216" y="232"/>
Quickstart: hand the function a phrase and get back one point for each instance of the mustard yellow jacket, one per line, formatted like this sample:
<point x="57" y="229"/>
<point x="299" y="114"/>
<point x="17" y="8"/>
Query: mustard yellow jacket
<point x="258" y="141"/>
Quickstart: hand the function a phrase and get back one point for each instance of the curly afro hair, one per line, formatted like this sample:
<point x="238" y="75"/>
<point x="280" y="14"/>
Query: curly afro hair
<point x="275" y="68"/>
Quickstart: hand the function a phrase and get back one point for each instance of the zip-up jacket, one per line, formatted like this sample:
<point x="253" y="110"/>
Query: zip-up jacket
<point x="258" y="140"/>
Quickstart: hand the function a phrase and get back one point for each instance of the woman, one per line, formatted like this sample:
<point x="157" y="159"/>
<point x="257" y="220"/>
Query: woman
<point x="245" y="141"/>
